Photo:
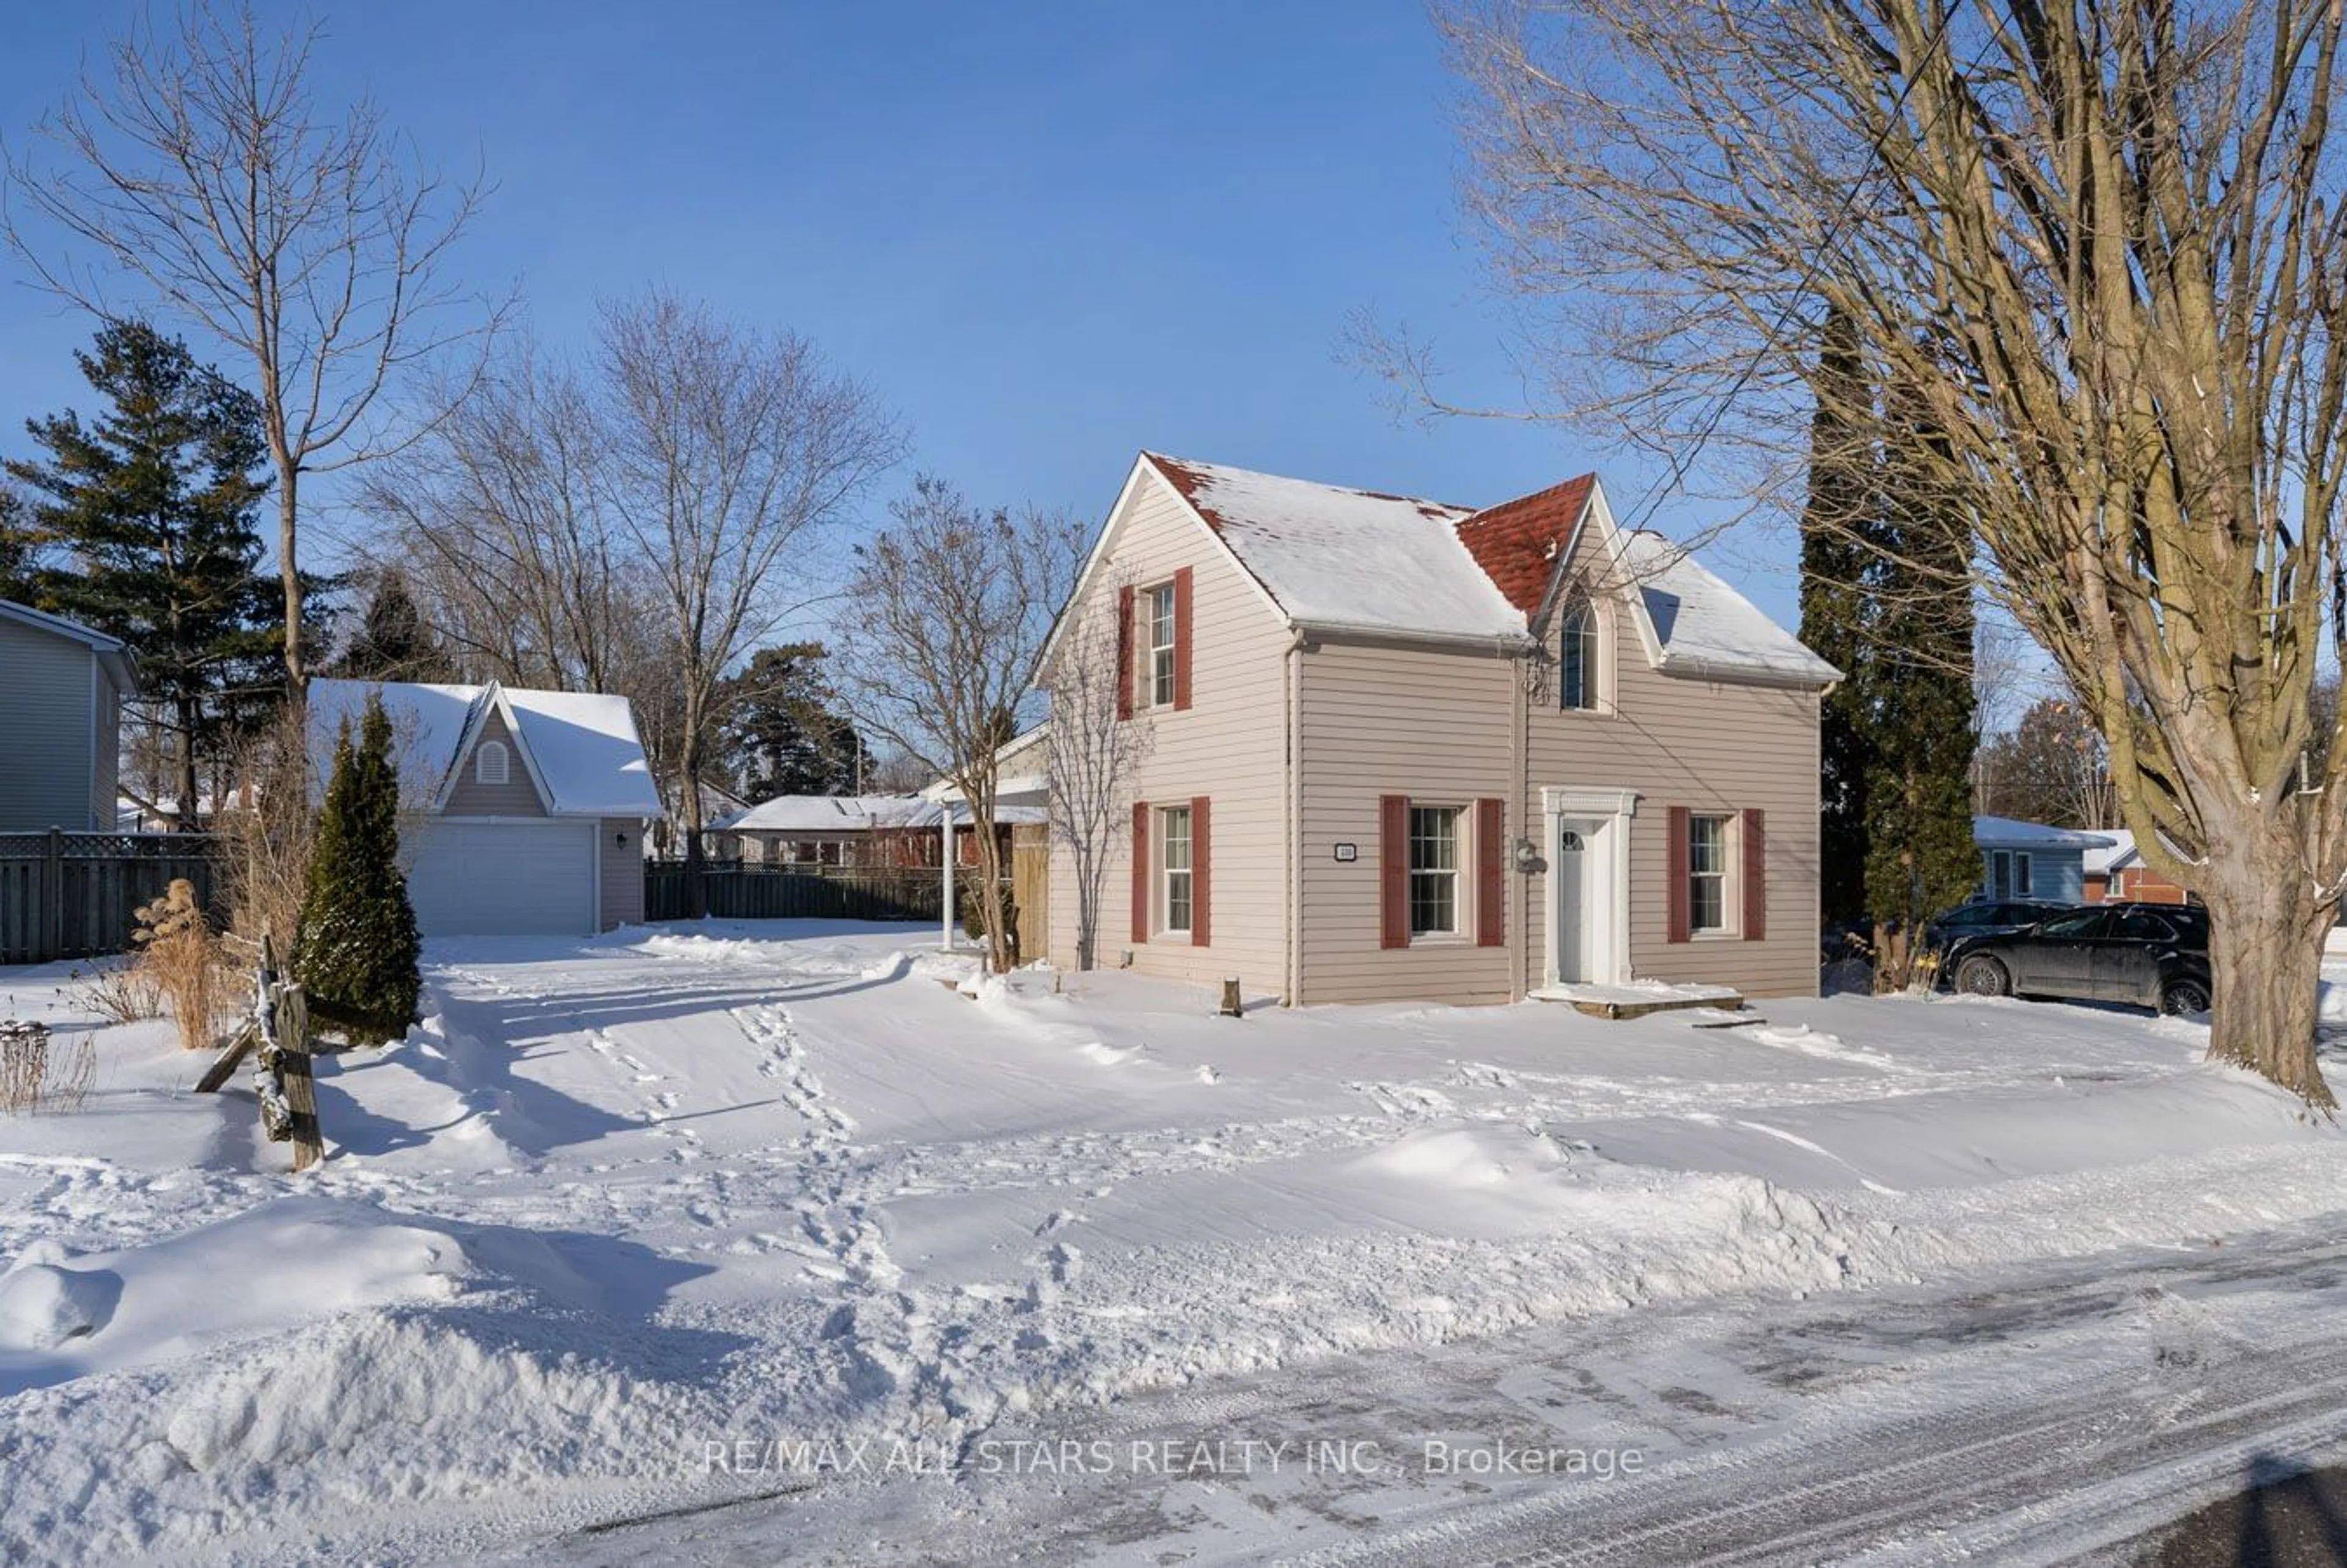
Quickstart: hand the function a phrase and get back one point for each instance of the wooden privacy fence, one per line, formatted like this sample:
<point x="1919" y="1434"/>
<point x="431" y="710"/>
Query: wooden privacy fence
<point x="76" y="895"/>
<point x="797" y="893"/>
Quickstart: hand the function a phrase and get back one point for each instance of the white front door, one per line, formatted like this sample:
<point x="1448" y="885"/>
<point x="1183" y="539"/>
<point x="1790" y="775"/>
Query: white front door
<point x="1588" y="843"/>
<point x="1574" y="875"/>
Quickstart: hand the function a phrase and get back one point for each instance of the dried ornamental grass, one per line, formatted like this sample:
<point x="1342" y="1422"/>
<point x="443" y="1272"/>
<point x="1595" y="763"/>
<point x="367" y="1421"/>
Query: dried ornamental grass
<point x="178" y="950"/>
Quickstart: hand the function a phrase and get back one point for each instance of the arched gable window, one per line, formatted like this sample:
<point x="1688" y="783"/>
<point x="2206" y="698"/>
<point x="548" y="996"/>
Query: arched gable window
<point x="1577" y="672"/>
<point x="492" y="764"/>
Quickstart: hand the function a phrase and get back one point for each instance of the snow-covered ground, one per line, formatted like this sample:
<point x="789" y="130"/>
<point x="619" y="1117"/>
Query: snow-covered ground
<point x="770" y="1241"/>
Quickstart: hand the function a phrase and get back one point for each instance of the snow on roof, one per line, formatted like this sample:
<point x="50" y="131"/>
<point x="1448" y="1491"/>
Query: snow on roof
<point x="583" y="746"/>
<point x="1343" y="558"/>
<point x="790" y="814"/>
<point x="2118" y="853"/>
<point x="1702" y="624"/>
<point x="2010" y="833"/>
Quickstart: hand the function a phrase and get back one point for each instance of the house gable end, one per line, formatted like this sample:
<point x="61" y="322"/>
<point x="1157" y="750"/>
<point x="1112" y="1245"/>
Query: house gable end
<point x="1145" y="480"/>
<point x="463" y="792"/>
<point x="1592" y="561"/>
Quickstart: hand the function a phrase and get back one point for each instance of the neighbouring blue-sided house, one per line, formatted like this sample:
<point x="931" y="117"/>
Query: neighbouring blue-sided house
<point x="61" y="691"/>
<point x="2031" y="860"/>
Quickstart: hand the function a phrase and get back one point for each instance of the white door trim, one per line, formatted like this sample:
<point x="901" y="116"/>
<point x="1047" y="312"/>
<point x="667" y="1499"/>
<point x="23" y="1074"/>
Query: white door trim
<point x="1606" y="877"/>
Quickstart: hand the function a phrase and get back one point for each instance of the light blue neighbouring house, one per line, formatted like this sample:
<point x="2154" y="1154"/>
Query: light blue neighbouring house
<point x="2031" y="860"/>
<point x="61" y="691"/>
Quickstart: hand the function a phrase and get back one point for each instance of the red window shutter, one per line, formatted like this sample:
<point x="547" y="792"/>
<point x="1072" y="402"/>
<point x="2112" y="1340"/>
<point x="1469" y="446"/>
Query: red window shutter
<point x="1393" y="870"/>
<point x="1756" y="877"/>
<point x="1676" y="874"/>
<point x="1491" y="877"/>
<point x="1183" y="580"/>
<point x="1202" y="878"/>
<point x="1124" y="652"/>
<point x="1140" y="871"/>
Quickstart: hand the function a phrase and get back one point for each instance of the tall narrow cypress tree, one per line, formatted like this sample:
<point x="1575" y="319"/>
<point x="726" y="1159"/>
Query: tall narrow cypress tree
<point x="1886" y="598"/>
<point x="1920" y="858"/>
<point x="357" y="953"/>
<point x="1836" y="559"/>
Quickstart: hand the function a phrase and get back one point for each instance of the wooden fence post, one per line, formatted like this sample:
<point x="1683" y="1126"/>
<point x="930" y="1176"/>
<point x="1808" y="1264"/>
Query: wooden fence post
<point x="301" y="1092"/>
<point x="53" y="896"/>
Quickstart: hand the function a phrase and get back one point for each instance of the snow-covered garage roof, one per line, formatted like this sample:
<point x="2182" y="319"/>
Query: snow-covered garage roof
<point x="1334" y="561"/>
<point x="581" y="747"/>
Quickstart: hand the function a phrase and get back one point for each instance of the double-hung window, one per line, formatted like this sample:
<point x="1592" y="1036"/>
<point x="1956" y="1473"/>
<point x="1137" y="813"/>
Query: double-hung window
<point x="1434" y="870"/>
<point x="1707" y="873"/>
<point x="1159" y="602"/>
<point x="1174" y="869"/>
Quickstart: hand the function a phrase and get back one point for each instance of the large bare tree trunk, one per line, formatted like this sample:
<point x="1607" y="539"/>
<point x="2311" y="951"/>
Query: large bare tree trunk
<point x="2265" y="952"/>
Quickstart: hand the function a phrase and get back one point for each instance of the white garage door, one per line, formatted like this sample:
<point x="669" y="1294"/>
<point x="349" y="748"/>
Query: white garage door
<point x="504" y="879"/>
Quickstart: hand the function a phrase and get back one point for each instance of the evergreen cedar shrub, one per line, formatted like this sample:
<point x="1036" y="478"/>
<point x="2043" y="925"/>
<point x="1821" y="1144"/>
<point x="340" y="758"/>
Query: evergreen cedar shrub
<point x="358" y="953"/>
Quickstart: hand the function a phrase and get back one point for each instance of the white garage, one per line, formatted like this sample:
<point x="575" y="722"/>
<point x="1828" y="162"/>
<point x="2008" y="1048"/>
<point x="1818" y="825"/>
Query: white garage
<point x="523" y="811"/>
<point x="504" y="879"/>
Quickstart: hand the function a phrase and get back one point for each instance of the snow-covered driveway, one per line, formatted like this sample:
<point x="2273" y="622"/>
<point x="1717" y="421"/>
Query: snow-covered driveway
<point x="630" y="1223"/>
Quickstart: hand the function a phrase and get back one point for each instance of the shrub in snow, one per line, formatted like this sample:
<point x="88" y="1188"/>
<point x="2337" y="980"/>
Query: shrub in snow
<point x="36" y="1076"/>
<point x="358" y="951"/>
<point x="178" y="950"/>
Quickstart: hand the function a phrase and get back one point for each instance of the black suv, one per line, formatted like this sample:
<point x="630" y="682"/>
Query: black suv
<point x="2152" y="954"/>
<point x="1986" y="917"/>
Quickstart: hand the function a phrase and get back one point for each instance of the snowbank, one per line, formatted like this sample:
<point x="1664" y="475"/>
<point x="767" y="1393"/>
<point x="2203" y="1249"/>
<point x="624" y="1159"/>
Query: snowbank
<point x="618" y="1198"/>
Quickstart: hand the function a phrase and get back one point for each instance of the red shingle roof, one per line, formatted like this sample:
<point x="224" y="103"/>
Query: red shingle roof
<point x="1517" y="542"/>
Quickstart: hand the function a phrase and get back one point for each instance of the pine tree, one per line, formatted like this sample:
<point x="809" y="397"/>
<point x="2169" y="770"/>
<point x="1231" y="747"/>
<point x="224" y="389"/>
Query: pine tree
<point x="1835" y="561"/>
<point x="15" y="548"/>
<point x="357" y="953"/>
<point x="786" y="735"/>
<point x="152" y="507"/>
<point x="393" y="642"/>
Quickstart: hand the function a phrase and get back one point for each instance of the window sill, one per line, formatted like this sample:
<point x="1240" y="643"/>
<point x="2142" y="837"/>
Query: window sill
<point x="1440" y="939"/>
<point x="1714" y="936"/>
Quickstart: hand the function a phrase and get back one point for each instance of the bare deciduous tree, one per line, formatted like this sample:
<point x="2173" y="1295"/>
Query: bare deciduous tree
<point x="1094" y="755"/>
<point x="939" y="637"/>
<point x="198" y="170"/>
<point x="498" y="517"/>
<point x="640" y="525"/>
<point x="2099" y="247"/>
<point x="728" y="454"/>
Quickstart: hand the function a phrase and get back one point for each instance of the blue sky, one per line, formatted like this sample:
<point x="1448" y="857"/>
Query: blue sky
<point x="1048" y="234"/>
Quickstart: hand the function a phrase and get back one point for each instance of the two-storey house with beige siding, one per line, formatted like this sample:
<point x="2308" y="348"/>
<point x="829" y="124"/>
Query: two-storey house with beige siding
<point x="1404" y="749"/>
